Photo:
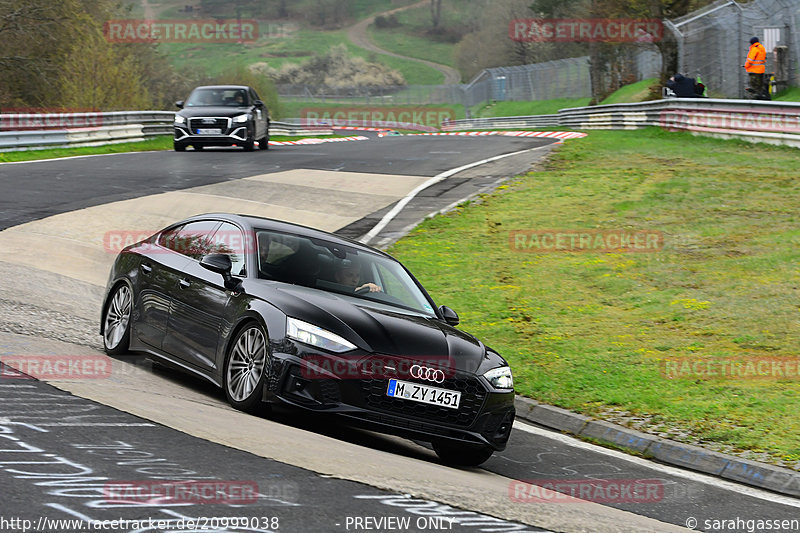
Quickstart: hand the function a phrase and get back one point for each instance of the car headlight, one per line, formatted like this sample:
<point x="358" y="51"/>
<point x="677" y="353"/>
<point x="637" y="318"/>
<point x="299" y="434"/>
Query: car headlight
<point x="241" y="118"/>
<point x="316" y="336"/>
<point x="180" y="119"/>
<point x="500" y="378"/>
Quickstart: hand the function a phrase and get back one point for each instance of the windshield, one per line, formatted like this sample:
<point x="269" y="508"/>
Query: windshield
<point x="336" y="268"/>
<point x="217" y="97"/>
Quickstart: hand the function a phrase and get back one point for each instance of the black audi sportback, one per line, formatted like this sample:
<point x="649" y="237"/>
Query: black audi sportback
<point x="275" y="312"/>
<point x="222" y="115"/>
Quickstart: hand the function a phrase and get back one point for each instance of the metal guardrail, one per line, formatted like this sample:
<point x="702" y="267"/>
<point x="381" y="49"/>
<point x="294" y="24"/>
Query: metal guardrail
<point x="526" y="122"/>
<point x="749" y="120"/>
<point x="38" y="131"/>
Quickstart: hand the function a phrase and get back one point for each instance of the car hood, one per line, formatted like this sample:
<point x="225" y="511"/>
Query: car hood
<point x="214" y="111"/>
<point x="377" y="328"/>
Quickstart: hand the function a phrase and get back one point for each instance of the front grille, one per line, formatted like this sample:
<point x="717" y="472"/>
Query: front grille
<point x="473" y="396"/>
<point x="209" y="122"/>
<point x="329" y="392"/>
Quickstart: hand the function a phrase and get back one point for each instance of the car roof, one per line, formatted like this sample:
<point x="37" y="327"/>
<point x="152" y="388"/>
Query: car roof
<point x="245" y="87"/>
<point x="252" y="221"/>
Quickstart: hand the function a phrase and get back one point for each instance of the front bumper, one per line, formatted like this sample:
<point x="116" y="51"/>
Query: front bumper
<point x="484" y="416"/>
<point x="229" y="134"/>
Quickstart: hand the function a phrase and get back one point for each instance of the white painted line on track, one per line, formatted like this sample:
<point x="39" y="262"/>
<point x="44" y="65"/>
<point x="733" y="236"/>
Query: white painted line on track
<point x="658" y="467"/>
<point x="94" y="424"/>
<point x="75" y="157"/>
<point x="399" y="206"/>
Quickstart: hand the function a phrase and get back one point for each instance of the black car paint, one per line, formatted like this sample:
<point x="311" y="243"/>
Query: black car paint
<point x="183" y="315"/>
<point x="257" y="127"/>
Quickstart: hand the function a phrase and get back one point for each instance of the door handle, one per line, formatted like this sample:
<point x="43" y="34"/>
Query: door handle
<point x="184" y="283"/>
<point x="146" y="268"/>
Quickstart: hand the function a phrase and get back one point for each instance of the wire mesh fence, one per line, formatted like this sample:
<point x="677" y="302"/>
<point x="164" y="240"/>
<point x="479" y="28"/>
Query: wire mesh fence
<point x="713" y="42"/>
<point x="563" y="78"/>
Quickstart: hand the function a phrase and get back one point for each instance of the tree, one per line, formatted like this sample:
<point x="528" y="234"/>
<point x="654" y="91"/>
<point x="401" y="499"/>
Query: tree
<point x="262" y="84"/>
<point x="31" y="33"/>
<point x="436" y="13"/>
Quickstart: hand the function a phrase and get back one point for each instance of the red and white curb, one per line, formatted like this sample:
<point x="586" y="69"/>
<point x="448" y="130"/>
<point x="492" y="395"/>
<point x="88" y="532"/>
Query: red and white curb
<point x="358" y="128"/>
<point x="548" y="134"/>
<point x="317" y="140"/>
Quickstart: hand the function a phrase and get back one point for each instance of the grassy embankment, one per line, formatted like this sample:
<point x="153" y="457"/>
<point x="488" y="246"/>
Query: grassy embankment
<point x="593" y="332"/>
<point x="411" y="37"/>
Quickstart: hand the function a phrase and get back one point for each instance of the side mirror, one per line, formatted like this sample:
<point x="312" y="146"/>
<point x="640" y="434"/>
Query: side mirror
<point x="179" y="104"/>
<point x="450" y="316"/>
<point x="220" y="264"/>
<point x="258" y="103"/>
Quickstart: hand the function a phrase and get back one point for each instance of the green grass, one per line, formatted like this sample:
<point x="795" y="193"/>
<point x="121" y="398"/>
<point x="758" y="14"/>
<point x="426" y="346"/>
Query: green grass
<point x="158" y="143"/>
<point x="360" y="9"/>
<point x="216" y="58"/>
<point x="414" y="73"/>
<point x="455" y="14"/>
<point x="792" y="94"/>
<point x="397" y="41"/>
<point x="535" y="107"/>
<point x="357" y="9"/>
<point x="635" y="92"/>
<point x="592" y="332"/>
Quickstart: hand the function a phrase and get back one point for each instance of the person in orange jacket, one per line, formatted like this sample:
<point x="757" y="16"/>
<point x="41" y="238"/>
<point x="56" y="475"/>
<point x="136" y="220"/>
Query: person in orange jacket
<point x="755" y="66"/>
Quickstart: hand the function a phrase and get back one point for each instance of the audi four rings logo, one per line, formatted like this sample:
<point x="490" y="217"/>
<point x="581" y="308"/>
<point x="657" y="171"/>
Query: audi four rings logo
<point x="427" y="373"/>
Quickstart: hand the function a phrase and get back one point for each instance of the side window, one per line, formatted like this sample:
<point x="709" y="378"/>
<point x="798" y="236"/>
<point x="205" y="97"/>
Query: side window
<point x="275" y="248"/>
<point x="192" y="239"/>
<point x="229" y="239"/>
<point x="253" y="95"/>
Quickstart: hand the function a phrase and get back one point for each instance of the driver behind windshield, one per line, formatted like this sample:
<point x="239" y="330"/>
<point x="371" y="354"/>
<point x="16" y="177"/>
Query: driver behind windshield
<point x="349" y="274"/>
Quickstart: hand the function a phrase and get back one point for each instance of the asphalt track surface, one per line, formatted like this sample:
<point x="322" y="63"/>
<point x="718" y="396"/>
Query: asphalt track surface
<point x="309" y="502"/>
<point x="34" y="190"/>
<point x="69" y="464"/>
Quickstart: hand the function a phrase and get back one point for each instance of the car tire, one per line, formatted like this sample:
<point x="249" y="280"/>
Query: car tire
<point x="178" y="146"/>
<point x="263" y="144"/>
<point x="117" y="320"/>
<point x="462" y="455"/>
<point x="246" y="367"/>
<point x="250" y="143"/>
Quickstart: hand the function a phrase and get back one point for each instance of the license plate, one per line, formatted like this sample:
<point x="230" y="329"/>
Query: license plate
<point x="209" y="131"/>
<point x="417" y="392"/>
